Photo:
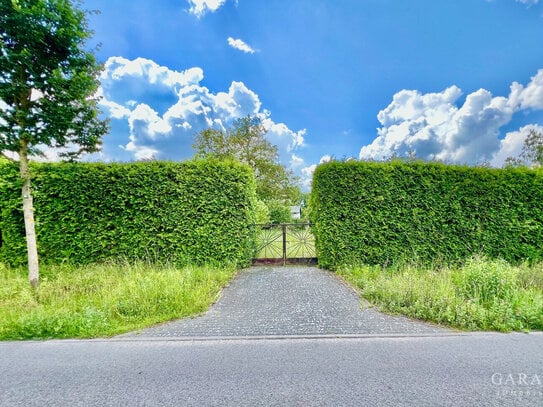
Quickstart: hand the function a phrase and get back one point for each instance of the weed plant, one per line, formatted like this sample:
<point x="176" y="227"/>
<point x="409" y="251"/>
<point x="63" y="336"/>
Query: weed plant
<point x="481" y="294"/>
<point x="103" y="299"/>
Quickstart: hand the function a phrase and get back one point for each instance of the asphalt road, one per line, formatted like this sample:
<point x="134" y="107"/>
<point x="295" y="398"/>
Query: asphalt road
<point x="427" y="370"/>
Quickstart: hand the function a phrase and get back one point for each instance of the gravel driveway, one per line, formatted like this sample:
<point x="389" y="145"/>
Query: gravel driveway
<point x="289" y="301"/>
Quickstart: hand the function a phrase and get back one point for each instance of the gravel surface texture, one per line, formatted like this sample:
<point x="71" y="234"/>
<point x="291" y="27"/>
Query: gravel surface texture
<point x="289" y="301"/>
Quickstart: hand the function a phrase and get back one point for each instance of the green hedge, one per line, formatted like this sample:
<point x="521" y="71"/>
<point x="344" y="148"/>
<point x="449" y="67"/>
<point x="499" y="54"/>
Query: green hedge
<point x="192" y="212"/>
<point x="382" y="213"/>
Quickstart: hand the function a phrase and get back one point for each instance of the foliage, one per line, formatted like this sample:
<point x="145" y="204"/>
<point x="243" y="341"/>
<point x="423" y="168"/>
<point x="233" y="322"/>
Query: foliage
<point x="532" y="151"/>
<point x="246" y="142"/>
<point x="385" y="213"/>
<point x="48" y="83"/>
<point x="189" y="213"/>
<point x="103" y="299"/>
<point x="305" y="206"/>
<point x="479" y="295"/>
<point x="47" y="78"/>
<point x="262" y="213"/>
<point x="279" y="212"/>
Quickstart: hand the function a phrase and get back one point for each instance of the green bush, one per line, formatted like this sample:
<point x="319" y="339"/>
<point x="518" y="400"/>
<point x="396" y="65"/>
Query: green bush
<point x="279" y="212"/>
<point x="262" y="213"/>
<point x="195" y="212"/>
<point x="385" y="213"/>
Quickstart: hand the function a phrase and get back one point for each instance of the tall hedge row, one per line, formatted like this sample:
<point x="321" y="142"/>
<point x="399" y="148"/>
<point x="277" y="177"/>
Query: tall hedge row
<point x="381" y="213"/>
<point x="191" y="212"/>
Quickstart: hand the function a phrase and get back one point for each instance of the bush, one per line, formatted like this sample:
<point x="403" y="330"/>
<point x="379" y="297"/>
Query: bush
<point x="279" y="212"/>
<point x="195" y="212"/>
<point x="262" y="213"/>
<point x="387" y="213"/>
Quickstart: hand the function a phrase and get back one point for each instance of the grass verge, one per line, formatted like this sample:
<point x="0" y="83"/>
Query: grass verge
<point x="103" y="299"/>
<point x="480" y="295"/>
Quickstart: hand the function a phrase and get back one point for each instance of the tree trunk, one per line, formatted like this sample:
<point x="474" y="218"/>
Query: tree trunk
<point x="28" y="212"/>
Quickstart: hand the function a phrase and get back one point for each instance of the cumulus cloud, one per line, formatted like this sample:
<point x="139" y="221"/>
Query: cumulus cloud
<point x="240" y="45"/>
<point x="511" y="145"/>
<point x="156" y="111"/>
<point x="201" y="7"/>
<point x="530" y="96"/>
<point x="434" y="126"/>
<point x="280" y="135"/>
<point x="307" y="172"/>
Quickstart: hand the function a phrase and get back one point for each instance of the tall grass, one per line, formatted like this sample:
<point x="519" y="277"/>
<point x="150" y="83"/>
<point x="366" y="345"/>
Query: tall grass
<point x="103" y="299"/>
<point x="479" y="295"/>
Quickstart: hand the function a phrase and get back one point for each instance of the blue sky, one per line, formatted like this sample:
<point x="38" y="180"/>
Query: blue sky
<point x="458" y="81"/>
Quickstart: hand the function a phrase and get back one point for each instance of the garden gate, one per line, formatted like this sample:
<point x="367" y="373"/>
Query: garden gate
<point x="286" y="243"/>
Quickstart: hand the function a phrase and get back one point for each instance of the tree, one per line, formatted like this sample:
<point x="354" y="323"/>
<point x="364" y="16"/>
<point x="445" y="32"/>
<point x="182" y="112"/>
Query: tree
<point x="532" y="151"/>
<point x="246" y="142"/>
<point x="47" y="83"/>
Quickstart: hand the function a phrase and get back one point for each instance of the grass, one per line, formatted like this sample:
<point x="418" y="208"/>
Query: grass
<point x="103" y="299"/>
<point x="479" y="295"/>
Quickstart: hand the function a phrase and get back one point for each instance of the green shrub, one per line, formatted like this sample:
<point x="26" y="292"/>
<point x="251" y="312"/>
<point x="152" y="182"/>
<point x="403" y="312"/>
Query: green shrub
<point x="195" y="212"/>
<point x="394" y="212"/>
<point x="279" y="212"/>
<point x="262" y="213"/>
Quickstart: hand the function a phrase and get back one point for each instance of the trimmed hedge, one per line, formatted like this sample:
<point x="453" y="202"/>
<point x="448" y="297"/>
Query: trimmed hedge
<point x="383" y="213"/>
<point x="195" y="212"/>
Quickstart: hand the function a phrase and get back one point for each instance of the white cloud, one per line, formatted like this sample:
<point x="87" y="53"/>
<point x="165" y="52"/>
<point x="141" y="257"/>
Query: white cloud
<point x="35" y="95"/>
<point x="201" y="7"/>
<point x="116" y="111"/>
<point x="4" y="107"/>
<point x="325" y="159"/>
<point x="54" y="154"/>
<point x="238" y="101"/>
<point x="280" y="135"/>
<point x="296" y="161"/>
<point x="156" y="111"/>
<point x="307" y="172"/>
<point x="307" y="176"/>
<point x="435" y="127"/>
<point x="240" y="45"/>
<point x="511" y="145"/>
<point x="528" y="2"/>
<point x="142" y="153"/>
<point x="117" y="68"/>
<point x="529" y="97"/>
